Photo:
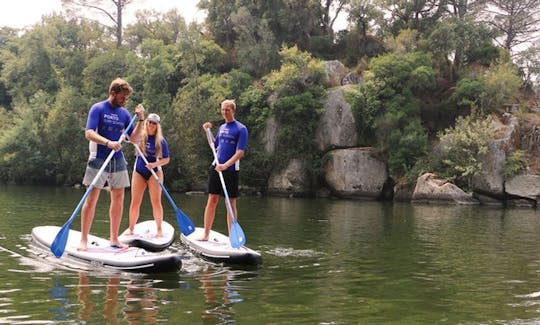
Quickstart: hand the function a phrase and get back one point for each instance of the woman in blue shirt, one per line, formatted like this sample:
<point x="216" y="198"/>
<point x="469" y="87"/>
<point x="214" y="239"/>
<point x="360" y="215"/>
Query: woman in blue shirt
<point x="156" y="150"/>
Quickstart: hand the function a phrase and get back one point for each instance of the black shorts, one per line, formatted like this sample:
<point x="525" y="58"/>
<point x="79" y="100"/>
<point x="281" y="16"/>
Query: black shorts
<point x="231" y="181"/>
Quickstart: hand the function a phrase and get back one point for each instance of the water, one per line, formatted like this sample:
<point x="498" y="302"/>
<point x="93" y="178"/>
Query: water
<point x="325" y="262"/>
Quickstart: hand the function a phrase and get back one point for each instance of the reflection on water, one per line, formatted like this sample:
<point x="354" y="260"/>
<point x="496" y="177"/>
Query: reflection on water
<point x="217" y="291"/>
<point x="113" y="299"/>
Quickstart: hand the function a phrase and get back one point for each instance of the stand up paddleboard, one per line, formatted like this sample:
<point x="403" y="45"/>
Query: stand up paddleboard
<point x="100" y="254"/>
<point x="218" y="249"/>
<point x="145" y="236"/>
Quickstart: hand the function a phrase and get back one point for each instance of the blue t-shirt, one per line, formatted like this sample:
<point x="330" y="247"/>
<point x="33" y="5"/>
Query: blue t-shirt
<point x="231" y="136"/>
<point x="151" y="153"/>
<point x="109" y="122"/>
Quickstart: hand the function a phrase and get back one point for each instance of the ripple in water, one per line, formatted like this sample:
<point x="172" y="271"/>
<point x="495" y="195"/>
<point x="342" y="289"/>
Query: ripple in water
<point x="291" y="252"/>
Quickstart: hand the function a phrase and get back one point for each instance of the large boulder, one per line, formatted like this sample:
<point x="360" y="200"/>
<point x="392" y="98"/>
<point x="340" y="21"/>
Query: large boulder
<point x="430" y="188"/>
<point x="337" y="128"/>
<point x="525" y="186"/>
<point x="292" y="180"/>
<point x="355" y="173"/>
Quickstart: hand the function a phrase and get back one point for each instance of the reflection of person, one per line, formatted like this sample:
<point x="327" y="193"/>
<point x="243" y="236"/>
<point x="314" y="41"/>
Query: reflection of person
<point x="140" y="298"/>
<point x="231" y="142"/>
<point x="155" y="148"/>
<point x="139" y="301"/>
<point x="216" y="289"/>
<point x="83" y="293"/>
<point x="106" y="122"/>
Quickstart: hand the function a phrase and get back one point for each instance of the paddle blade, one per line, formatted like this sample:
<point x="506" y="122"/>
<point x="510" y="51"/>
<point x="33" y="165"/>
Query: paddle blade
<point x="237" y="237"/>
<point x="59" y="244"/>
<point x="186" y="225"/>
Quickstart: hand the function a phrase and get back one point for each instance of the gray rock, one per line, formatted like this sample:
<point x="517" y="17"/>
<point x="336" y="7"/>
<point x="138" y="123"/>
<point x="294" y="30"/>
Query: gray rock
<point x="356" y="173"/>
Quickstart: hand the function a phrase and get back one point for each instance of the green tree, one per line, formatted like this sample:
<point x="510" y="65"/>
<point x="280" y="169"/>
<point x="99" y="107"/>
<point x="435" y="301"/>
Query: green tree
<point x="390" y="95"/>
<point x="29" y="66"/>
<point x="150" y="24"/>
<point x="63" y="131"/>
<point x="457" y="43"/>
<point x="25" y="160"/>
<point x="104" y="68"/>
<point x="256" y="46"/>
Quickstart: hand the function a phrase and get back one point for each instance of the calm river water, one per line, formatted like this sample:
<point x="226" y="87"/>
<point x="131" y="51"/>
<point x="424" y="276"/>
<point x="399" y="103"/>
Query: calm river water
<point x="325" y="262"/>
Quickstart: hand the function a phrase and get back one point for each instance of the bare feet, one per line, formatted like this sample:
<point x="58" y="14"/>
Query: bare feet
<point x="118" y="244"/>
<point x="204" y="238"/>
<point x="82" y="246"/>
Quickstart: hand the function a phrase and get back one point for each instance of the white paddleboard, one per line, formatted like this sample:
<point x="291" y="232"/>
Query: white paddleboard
<point x="218" y="248"/>
<point x="144" y="236"/>
<point x="100" y="254"/>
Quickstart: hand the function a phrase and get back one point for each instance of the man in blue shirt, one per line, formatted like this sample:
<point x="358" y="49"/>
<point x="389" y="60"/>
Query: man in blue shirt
<point x="231" y="142"/>
<point x="106" y="122"/>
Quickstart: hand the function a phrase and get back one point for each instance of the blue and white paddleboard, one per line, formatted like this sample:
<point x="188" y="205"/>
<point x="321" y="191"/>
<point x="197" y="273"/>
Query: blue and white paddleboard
<point x="100" y="254"/>
<point x="145" y="236"/>
<point x="218" y="248"/>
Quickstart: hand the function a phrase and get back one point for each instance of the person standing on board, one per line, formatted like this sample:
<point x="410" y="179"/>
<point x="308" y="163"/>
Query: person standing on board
<point x="156" y="150"/>
<point x="231" y="142"/>
<point x="106" y="122"/>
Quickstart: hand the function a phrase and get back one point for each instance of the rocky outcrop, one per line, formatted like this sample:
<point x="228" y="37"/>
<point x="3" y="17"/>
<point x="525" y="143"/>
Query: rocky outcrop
<point x="336" y="72"/>
<point x="355" y="173"/>
<point x="430" y="188"/>
<point x="292" y="180"/>
<point x="337" y="127"/>
<point x="490" y="182"/>
<point x="270" y="135"/>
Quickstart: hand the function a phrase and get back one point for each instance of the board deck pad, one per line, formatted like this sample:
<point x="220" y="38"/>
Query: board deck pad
<point x="100" y="254"/>
<point x="145" y="236"/>
<point x="218" y="248"/>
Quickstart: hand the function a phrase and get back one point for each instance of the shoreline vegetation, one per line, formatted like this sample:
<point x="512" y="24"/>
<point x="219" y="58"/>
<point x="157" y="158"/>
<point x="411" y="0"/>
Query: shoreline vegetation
<point x="395" y="106"/>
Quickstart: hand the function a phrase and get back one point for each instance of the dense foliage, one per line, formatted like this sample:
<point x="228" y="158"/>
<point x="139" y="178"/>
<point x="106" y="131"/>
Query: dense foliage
<point x="423" y="69"/>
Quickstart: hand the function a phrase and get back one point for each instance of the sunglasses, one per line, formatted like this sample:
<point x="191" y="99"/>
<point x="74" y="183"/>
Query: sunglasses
<point x="152" y="122"/>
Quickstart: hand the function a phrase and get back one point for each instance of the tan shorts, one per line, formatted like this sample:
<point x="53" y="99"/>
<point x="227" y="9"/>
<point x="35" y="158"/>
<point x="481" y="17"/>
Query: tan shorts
<point x="115" y="175"/>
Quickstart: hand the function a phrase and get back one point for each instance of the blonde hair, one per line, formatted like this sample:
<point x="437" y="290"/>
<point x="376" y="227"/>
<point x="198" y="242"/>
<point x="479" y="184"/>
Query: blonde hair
<point x="229" y="102"/>
<point x="158" y="140"/>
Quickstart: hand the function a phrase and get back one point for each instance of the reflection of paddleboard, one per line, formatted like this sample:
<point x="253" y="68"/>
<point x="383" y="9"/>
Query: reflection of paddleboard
<point x="218" y="248"/>
<point x="144" y="236"/>
<point x="101" y="254"/>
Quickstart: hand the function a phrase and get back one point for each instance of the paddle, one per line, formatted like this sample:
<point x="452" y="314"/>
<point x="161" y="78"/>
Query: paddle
<point x="59" y="244"/>
<point x="236" y="236"/>
<point x="183" y="220"/>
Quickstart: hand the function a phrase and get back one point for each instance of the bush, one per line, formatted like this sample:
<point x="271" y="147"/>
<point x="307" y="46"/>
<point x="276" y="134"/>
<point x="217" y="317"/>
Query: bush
<point x="514" y="164"/>
<point x="461" y="148"/>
